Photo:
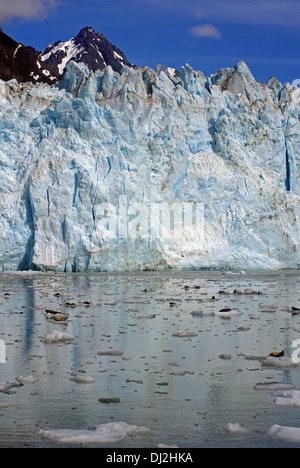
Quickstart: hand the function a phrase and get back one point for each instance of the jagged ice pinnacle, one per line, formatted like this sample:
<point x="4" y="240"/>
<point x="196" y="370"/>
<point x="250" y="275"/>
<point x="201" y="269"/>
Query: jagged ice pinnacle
<point x="226" y="142"/>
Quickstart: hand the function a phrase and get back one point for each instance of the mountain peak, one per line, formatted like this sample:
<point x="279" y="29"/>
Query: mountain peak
<point x="86" y="30"/>
<point x="89" y="47"/>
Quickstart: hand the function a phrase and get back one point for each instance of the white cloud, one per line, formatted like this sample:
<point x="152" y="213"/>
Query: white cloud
<point x="25" y="9"/>
<point x="205" y="30"/>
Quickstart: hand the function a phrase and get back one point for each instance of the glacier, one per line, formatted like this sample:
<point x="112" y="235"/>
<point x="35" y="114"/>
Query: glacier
<point x="71" y="151"/>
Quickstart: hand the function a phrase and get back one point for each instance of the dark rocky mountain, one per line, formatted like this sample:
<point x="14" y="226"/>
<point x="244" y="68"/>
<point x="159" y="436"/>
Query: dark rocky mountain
<point x="21" y="63"/>
<point x="89" y="47"/>
<point x="25" y="63"/>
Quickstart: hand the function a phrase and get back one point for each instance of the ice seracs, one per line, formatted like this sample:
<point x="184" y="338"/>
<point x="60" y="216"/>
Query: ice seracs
<point x="101" y="149"/>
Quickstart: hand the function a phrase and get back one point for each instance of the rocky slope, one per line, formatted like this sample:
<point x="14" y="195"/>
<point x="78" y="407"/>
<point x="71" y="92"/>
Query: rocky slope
<point x="22" y="64"/>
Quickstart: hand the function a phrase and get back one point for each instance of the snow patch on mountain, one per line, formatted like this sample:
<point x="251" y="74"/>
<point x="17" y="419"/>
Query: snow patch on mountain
<point x="88" y="47"/>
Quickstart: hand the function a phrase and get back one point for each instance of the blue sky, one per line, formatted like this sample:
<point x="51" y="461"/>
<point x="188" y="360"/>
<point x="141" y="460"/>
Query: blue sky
<point x="207" y="34"/>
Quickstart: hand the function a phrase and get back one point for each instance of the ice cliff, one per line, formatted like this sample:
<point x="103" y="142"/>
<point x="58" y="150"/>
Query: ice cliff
<point x="226" y="141"/>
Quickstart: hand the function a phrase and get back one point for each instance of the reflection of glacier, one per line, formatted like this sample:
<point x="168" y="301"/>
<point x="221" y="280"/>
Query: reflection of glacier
<point x="225" y="141"/>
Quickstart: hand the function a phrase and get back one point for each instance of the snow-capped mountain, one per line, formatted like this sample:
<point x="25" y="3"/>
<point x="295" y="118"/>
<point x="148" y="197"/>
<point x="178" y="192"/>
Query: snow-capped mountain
<point x="21" y="63"/>
<point x="89" y="47"/>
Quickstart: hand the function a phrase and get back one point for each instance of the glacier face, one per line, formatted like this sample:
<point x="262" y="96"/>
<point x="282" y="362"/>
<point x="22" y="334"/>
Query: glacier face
<point x="69" y="154"/>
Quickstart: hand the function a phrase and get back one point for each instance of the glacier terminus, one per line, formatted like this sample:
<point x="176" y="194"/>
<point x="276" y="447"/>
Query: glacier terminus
<point x="71" y="151"/>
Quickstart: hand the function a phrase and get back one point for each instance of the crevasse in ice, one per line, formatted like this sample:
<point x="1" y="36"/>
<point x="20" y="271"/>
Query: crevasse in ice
<point x="84" y="165"/>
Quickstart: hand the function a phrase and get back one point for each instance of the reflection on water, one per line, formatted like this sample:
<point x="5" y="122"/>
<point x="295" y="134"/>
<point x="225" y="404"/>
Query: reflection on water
<point x="184" y="371"/>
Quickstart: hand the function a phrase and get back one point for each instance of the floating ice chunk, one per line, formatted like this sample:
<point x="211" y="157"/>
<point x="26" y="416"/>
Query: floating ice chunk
<point x="27" y="379"/>
<point x="225" y="356"/>
<point x="240" y="291"/>
<point x="56" y="316"/>
<point x="134" y="381"/>
<point x="82" y="379"/>
<point x="6" y="386"/>
<point x="288" y="398"/>
<point x="25" y="273"/>
<point x="254" y="358"/>
<point x="289" y="434"/>
<point x="229" y="314"/>
<point x="4" y="405"/>
<point x="141" y="315"/>
<point x="110" y="352"/>
<point x="57" y="336"/>
<point x="288" y="393"/>
<point x="284" y="361"/>
<point x="200" y="313"/>
<point x="166" y="446"/>
<point x="131" y="430"/>
<point x="248" y="291"/>
<point x="103" y="434"/>
<point x="185" y="334"/>
<point x="295" y="402"/>
<point x="273" y="386"/>
<point x="227" y="291"/>
<point x="235" y="428"/>
<point x="73" y="436"/>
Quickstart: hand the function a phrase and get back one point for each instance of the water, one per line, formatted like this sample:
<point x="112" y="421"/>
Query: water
<point x="189" y="409"/>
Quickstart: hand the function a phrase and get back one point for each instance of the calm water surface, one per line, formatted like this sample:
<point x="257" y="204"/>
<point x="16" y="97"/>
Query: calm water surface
<point x="187" y="404"/>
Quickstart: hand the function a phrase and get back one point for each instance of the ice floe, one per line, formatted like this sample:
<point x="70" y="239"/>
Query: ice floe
<point x="57" y="336"/>
<point x="56" y="316"/>
<point x="273" y="386"/>
<point x="286" y="433"/>
<point x="284" y="361"/>
<point x="228" y="313"/>
<point x="102" y="434"/>
<point x="235" y="428"/>
<point x="185" y="334"/>
<point x="5" y="405"/>
<point x="6" y="386"/>
<point x="110" y="352"/>
<point x="146" y="316"/>
<point x="82" y="379"/>
<point x="27" y="379"/>
<point x="166" y="446"/>
<point x="225" y="356"/>
<point x="287" y="398"/>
